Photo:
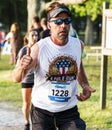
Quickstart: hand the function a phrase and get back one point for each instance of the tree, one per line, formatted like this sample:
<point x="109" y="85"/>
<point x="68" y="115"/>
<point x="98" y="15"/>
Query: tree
<point x="13" y="11"/>
<point x="92" y="9"/>
<point x="35" y="7"/>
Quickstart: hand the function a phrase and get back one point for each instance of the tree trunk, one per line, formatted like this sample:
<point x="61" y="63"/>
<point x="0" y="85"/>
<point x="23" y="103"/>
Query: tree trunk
<point x="33" y="8"/>
<point x="89" y="33"/>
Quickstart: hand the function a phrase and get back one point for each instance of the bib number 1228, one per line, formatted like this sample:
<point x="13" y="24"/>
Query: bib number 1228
<point x="61" y="93"/>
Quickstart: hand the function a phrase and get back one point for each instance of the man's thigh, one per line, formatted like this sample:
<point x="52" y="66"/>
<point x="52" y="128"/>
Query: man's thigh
<point x="41" y="121"/>
<point x="77" y="124"/>
<point x="68" y="126"/>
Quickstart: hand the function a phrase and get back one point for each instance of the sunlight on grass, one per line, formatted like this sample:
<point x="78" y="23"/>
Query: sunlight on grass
<point x="95" y="118"/>
<point x="9" y="91"/>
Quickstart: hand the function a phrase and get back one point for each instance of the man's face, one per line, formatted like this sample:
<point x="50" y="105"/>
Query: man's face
<point x="59" y="26"/>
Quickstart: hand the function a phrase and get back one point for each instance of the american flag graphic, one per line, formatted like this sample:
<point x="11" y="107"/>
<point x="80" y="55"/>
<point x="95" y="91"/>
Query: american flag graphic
<point x="63" y="65"/>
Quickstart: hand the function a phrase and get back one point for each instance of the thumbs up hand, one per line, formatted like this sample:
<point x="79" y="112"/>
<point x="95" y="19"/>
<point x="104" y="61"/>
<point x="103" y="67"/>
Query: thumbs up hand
<point x="26" y="59"/>
<point x="28" y="51"/>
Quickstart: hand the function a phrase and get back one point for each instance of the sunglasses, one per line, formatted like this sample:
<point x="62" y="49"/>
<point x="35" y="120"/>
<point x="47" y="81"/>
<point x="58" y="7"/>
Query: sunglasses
<point x="61" y="21"/>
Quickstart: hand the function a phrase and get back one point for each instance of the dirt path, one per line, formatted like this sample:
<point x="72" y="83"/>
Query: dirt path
<point x="10" y="118"/>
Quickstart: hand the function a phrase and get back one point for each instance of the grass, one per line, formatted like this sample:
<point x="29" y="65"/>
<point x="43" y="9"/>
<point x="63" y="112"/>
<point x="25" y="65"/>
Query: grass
<point x="95" y="118"/>
<point x="9" y="91"/>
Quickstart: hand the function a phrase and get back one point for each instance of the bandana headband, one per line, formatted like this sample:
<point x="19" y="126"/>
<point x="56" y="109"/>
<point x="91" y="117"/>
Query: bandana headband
<point x="57" y="11"/>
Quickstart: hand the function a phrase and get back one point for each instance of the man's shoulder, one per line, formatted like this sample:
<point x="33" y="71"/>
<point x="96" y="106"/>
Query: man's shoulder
<point x="73" y="38"/>
<point x="74" y="41"/>
<point x="43" y="42"/>
<point x="46" y="39"/>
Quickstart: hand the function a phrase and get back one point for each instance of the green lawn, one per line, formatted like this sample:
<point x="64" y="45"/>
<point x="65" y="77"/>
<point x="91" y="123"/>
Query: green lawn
<point x="95" y="118"/>
<point x="9" y="91"/>
<point x="90" y="110"/>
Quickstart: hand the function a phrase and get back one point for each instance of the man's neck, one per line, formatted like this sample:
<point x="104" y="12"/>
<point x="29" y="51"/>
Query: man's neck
<point x="59" y="42"/>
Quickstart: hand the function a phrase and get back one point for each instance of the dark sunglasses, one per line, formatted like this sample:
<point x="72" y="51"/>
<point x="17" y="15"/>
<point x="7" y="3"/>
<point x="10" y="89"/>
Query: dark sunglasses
<point x="61" y="21"/>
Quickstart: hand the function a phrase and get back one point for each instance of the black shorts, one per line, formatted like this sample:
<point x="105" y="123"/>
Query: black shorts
<point x="27" y="85"/>
<point x="65" y="120"/>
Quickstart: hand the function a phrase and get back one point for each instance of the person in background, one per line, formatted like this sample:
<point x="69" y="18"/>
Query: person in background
<point x="0" y="43"/>
<point x="2" y="36"/>
<point x="46" y="31"/>
<point x="73" y="32"/>
<point x="14" y="38"/>
<point x="36" y="25"/>
<point x="27" y="83"/>
<point x="58" y="66"/>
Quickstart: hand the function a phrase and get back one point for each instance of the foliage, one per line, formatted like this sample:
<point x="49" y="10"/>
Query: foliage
<point x="92" y="8"/>
<point x="13" y="11"/>
<point x="111" y="4"/>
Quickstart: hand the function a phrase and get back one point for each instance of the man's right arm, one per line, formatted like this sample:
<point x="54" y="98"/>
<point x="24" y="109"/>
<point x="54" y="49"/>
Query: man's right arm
<point x="19" y="72"/>
<point x="27" y="63"/>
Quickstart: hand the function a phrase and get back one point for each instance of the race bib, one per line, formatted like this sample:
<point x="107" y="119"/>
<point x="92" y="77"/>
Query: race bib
<point x="60" y="91"/>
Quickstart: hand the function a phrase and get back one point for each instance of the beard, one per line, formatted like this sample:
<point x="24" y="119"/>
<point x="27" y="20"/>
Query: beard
<point x="63" y="35"/>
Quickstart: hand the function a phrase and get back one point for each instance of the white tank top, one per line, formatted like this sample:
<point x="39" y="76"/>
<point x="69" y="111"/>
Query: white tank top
<point x="56" y="84"/>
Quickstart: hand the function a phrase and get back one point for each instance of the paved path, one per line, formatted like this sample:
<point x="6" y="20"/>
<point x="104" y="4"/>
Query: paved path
<point x="10" y="118"/>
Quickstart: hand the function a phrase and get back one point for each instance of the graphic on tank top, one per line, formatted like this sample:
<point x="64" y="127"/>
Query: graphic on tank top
<point x="62" y="71"/>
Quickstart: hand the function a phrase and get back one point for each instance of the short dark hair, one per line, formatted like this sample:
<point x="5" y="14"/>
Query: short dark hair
<point x="36" y="19"/>
<point x="55" y="8"/>
<point x="43" y="21"/>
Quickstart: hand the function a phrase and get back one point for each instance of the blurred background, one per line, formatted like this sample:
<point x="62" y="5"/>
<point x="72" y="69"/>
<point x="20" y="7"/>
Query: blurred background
<point x="87" y="16"/>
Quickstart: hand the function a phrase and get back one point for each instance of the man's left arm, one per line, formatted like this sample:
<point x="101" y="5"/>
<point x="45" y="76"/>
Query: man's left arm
<point x="83" y="81"/>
